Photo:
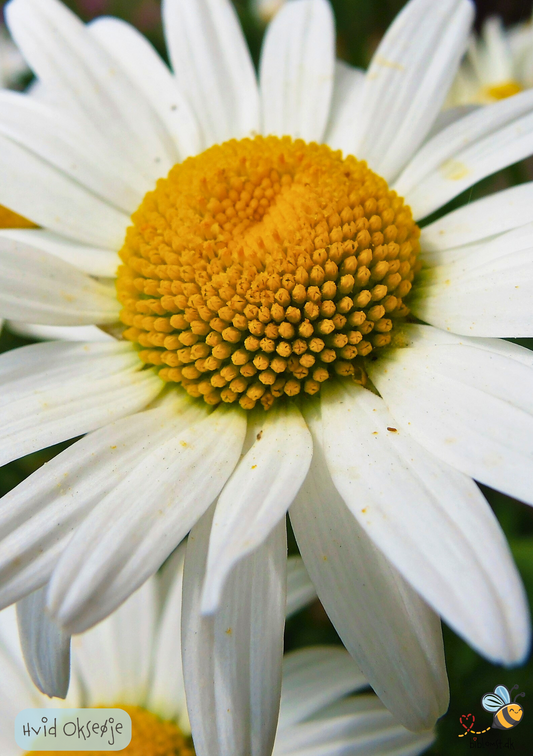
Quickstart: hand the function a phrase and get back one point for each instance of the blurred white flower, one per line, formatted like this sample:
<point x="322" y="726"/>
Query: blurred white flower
<point x="498" y="64"/>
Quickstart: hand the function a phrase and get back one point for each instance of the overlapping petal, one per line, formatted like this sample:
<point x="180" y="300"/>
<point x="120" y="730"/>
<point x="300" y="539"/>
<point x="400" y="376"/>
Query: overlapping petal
<point x="50" y="291"/>
<point x="258" y="494"/>
<point x="92" y="260"/>
<point x="302" y="696"/>
<point x="167" y="691"/>
<point x="213" y="67"/>
<point x="473" y="147"/>
<point x="431" y="522"/>
<point x="67" y="389"/>
<point x="114" y="659"/>
<point x="45" y="646"/>
<point x="58" y="333"/>
<point x="37" y="190"/>
<point x="346" y="98"/>
<point x="85" y="79"/>
<point x="232" y="659"/>
<point x="54" y="137"/>
<point x="131" y="531"/>
<point x="297" y="70"/>
<point x="470" y="405"/>
<point x="485" y="290"/>
<point x="495" y="214"/>
<point x="142" y="63"/>
<point x="355" y="725"/>
<point x="407" y="81"/>
<point x="391" y="633"/>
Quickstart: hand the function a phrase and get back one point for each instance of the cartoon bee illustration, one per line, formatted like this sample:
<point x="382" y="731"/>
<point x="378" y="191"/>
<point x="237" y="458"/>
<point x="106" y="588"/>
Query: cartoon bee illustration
<point x="506" y="714"/>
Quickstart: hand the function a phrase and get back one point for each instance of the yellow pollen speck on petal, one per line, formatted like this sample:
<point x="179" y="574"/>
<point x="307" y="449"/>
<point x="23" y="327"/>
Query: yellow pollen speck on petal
<point x="503" y="90"/>
<point x="151" y="736"/>
<point x="9" y="219"/>
<point x="454" y="170"/>
<point x="262" y="267"/>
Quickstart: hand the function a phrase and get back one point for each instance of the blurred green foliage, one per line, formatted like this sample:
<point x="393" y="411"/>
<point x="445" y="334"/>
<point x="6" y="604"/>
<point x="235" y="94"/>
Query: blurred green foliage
<point x="360" y="25"/>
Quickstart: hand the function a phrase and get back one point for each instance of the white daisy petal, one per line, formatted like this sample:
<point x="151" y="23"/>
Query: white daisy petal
<point x="355" y="726"/>
<point x="446" y="117"/>
<point x="258" y="493"/>
<point x="431" y="521"/>
<point x="477" y="145"/>
<point x="315" y="677"/>
<point x="66" y="57"/>
<point x="213" y="67"/>
<point x="297" y="70"/>
<point x="135" y="527"/>
<point x="67" y="389"/>
<point x="92" y="260"/>
<point x="167" y="692"/>
<point x="407" y="82"/>
<point x="484" y="291"/>
<point x="51" y="135"/>
<point x="345" y="101"/>
<point x="425" y="336"/>
<point x="58" y="333"/>
<point x="495" y="214"/>
<point x="497" y="306"/>
<point x="37" y="287"/>
<point x="143" y="64"/>
<point x="395" y="638"/>
<point x="45" y="646"/>
<point x="300" y="589"/>
<point x="38" y="191"/>
<point x="38" y="517"/>
<point x="469" y="406"/>
<point x="114" y="658"/>
<point x="232" y="659"/>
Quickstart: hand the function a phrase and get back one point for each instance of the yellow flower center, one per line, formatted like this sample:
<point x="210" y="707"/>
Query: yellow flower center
<point x="261" y="267"/>
<point x="151" y="737"/>
<point x="9" y="219"/>
<point x="503" y="90"/>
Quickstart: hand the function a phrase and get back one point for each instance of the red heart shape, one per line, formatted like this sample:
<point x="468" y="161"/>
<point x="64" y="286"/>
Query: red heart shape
<point x="468" y="722"/>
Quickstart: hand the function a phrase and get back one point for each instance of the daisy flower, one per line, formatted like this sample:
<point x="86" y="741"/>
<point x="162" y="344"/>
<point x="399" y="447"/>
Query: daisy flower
<point x="288" y="337"/>
<point x="498" y="64"/>
<point x="132" y="660"/>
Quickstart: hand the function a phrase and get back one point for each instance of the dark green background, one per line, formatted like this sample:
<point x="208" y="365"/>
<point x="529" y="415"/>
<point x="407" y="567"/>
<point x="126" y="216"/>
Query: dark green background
<point x="360" y="24"/>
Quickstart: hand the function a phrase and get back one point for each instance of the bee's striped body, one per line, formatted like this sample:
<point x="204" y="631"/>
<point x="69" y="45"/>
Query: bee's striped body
<point x="508" y="716"/>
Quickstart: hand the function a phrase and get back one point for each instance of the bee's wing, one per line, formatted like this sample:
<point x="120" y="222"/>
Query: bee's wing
<point x="492" y="702"/>
<point x="503" y="693"/>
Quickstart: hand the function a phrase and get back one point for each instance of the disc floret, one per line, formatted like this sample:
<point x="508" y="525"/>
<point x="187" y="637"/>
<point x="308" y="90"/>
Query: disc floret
<point x="262" y="267"/>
